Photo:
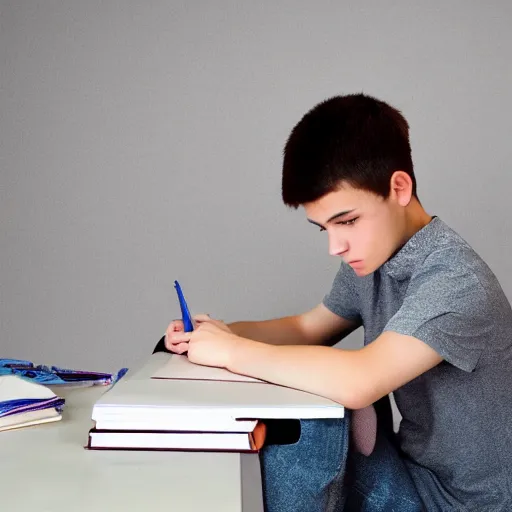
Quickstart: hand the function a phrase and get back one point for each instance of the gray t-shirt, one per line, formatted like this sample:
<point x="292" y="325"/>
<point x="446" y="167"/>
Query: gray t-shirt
<point x="456" y="431"/>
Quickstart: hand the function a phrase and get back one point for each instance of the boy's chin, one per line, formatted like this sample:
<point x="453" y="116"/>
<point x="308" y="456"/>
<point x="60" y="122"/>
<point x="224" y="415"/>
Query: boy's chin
<point x="365" y="270"/>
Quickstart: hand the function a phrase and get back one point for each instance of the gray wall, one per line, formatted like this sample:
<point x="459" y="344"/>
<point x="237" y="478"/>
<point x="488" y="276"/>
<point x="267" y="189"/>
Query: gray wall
<point x="141" y="143"/>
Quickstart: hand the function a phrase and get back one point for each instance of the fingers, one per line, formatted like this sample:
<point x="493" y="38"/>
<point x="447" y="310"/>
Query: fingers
<point x="175" y="326"/>
<point x="202" y="317"/>
<point x="173" y="339"/>
<point x="176" y="339"/>
<point x="180" y="348"/>
<point x="179" y="337"/>
<point x="178" y="342"/>
<point x="177" y="348"/>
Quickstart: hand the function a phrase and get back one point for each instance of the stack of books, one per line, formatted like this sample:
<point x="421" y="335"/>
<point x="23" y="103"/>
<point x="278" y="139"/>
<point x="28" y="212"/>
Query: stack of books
<point x="24" y="403"/>
<point x="172" y="404"/>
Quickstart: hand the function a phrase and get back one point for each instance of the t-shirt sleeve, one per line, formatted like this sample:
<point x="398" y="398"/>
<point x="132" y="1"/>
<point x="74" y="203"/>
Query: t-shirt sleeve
<point x="342" y="299"/>
<point x="447" y="309"/>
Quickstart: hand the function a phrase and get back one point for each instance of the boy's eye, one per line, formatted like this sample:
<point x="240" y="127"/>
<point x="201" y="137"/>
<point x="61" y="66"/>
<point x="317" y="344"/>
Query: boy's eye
<point x="347" y="222"/>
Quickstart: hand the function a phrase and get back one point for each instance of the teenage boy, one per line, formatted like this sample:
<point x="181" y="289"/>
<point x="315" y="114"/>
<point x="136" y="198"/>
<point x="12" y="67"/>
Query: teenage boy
<point x="437" y="325"/>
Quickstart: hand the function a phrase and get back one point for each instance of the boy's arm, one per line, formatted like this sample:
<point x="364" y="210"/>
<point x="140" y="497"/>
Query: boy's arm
<point x="354" y="378"/>
<point x="315" y="327"/>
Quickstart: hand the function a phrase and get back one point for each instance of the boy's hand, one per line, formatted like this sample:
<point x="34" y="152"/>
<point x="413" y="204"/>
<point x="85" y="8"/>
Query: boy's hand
<point x="212" y="345"/>
<point x="199" y="319"/>
<point x="176" y="339"/>
<point x="176" y="326"/>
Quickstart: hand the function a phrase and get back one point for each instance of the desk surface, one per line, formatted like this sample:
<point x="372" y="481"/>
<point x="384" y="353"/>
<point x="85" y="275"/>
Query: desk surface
<point x="46" y="468"/>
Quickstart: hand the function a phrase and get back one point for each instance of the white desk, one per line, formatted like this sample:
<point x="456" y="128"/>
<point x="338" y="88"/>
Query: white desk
<point x="45" y="468"/>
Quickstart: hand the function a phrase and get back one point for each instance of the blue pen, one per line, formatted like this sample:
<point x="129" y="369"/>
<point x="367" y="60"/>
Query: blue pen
<point x="185" y="313"/>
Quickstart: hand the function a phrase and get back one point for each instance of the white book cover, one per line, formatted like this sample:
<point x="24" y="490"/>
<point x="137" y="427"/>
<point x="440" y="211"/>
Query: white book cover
<point x="218" y="441"/>
<point x="169" y="440"/>
<point x="201" y="404"/>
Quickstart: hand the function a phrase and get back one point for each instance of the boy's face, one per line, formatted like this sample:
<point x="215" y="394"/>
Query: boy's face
<point x="363" y="228"/>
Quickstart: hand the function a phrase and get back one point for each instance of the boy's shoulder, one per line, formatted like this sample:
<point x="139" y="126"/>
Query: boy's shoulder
<point x="452" y="277"/>
<point x="437" y="250"/>
<point x="450" y="255"/>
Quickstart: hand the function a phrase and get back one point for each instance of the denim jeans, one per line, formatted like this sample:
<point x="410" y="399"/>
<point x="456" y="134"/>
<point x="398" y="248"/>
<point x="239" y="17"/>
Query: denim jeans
<point x="307" y="476"/>
<point x="319" y="473"/>
<point x="380" y="482"/>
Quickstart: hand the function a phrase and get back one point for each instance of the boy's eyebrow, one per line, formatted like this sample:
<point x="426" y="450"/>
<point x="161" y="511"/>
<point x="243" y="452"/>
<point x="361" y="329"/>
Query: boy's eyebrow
<point x="341" y="214"/>
<point x="335" y="216"/>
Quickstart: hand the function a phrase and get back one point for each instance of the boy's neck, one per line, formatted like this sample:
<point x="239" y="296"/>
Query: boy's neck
<point x="416" y="219"/>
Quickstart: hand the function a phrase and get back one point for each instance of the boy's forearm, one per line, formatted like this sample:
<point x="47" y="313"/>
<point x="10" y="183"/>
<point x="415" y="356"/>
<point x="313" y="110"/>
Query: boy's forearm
<point x="280" y="331"/>
<point x="325" y="371"/>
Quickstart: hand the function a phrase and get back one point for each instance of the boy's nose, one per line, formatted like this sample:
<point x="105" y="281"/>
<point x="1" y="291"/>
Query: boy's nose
<point x="337" y="247"/>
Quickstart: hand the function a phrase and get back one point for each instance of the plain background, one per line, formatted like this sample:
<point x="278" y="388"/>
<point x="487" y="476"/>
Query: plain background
<point x="141" y="142"/>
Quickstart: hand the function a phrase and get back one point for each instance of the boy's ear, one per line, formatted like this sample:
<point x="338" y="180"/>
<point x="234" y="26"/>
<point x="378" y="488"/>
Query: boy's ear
<point x="400" y="187"/>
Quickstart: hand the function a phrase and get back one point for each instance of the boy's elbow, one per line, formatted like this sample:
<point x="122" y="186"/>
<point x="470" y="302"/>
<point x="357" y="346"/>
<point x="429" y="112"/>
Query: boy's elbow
<point x="356" y="387"/>
<point x="356" y="397"/>
<point x="352" y="401"/>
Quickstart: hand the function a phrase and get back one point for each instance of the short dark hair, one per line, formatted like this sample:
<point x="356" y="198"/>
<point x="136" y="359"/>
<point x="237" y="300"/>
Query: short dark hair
<point x="353" y="139"/>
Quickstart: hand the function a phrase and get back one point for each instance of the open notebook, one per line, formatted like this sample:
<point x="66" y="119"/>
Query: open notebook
<point x="24" y="403"/>
<point x="179" y="367"/>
